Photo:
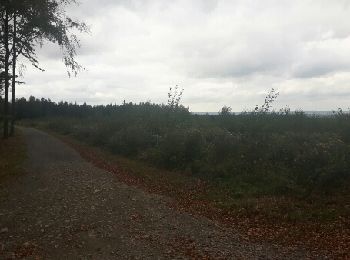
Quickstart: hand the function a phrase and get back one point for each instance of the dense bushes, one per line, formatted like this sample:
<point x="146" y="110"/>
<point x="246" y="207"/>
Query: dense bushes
<point x="253" y="153"/>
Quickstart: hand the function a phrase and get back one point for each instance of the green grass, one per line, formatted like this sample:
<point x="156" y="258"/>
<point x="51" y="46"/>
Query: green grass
<point x="12" y="155"/>
<point x="287" y="208"/>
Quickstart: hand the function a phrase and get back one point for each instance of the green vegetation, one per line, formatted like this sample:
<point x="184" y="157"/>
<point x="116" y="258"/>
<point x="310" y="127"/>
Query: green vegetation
<point x="253" y="154"/>
<point x="12" y="155"/>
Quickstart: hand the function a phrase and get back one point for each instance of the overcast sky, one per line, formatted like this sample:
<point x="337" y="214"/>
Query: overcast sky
<point x="221" y="52"/>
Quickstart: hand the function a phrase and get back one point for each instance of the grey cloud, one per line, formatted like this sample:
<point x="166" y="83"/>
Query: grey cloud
<point x="321" y="69"/>
<point x="324" y="58"/>
<point x="221" y="51"/>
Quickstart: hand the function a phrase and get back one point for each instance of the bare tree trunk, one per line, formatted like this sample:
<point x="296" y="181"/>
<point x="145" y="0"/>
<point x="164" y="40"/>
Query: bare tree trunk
<point x="6" y="76"/>
<point x="13" y="105"/>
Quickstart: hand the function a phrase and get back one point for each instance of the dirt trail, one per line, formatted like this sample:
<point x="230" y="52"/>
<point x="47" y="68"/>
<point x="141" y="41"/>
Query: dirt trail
<point x="65" y="208"/>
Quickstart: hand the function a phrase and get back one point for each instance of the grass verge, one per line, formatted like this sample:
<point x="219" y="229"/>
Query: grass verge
<point x="12" y="155"/>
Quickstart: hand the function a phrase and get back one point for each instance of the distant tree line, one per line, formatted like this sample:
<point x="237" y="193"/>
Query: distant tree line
<point x="33" y="108"/>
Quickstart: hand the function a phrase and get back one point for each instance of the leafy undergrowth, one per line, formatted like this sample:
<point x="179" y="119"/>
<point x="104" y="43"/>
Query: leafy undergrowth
<point x="320" y="224"/>
<point x="12" y="154"/>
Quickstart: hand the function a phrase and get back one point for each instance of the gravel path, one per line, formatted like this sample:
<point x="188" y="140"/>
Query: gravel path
<point x="65" y="208"/>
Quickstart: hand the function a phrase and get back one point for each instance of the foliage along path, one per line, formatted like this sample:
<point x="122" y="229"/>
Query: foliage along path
<point x="63" y="207"/>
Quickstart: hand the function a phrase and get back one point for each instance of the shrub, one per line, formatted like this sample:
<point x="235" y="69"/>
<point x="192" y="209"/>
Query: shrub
<point x="130" y="141"/>
<point x="265" y="153"/>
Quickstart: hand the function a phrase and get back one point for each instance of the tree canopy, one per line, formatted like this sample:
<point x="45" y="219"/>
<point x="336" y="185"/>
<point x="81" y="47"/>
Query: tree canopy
<point x="28" y="24"/>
